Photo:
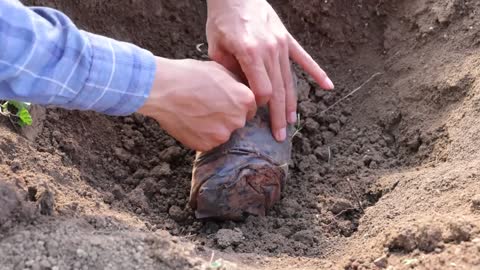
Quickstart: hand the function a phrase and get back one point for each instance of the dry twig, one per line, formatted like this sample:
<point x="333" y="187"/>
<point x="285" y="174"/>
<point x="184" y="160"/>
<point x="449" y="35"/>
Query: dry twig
<point x="355" y="194"/>
<point x="343" y="212"/>
<point x="211" y="258"/>
<point x="351" y="93"/>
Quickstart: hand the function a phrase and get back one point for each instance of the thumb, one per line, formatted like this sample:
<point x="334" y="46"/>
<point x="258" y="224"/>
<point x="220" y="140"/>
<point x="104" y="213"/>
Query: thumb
<point x="251" y="103"/>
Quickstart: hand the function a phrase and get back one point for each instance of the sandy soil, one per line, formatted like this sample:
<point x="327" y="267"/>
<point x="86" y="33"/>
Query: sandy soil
<point x="386" y="179"/>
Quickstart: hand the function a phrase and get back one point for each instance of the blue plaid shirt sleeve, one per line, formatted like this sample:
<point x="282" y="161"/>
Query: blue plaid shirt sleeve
<point x="45" y="59"/>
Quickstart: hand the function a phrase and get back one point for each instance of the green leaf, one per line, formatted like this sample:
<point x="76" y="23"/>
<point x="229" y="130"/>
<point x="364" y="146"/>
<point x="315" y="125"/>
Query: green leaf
<point x="4" y="106"/>
<point x="216" y="264"/>
<point x="25" y="119"/>
<point x="19" y="105"/>
<point x="21" y="111"/>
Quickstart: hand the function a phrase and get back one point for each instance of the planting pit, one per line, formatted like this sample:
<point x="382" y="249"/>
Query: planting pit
<point x="388" y="177"/>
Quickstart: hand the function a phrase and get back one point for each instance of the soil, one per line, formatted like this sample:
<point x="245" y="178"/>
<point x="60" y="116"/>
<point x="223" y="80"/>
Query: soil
<point x="388" y="178"/>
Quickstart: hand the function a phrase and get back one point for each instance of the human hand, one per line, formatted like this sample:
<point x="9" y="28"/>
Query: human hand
<point x="247" y="36"/>
<point x="198" y="103"/>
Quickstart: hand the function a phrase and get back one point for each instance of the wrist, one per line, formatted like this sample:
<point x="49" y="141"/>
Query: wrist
<point x="161" y="81"/>
<point x="166" y="95"/>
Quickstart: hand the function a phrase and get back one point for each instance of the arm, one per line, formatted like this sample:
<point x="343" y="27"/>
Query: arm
<point x="45" y="59"/>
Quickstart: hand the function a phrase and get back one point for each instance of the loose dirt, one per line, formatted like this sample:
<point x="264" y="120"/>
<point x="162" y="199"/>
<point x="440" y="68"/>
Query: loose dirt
<point x="386" y="179"/>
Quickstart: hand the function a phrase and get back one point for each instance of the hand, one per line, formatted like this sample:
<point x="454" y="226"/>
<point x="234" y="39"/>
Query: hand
<point x="198" y="103"/>
<point x="247" y="36"/>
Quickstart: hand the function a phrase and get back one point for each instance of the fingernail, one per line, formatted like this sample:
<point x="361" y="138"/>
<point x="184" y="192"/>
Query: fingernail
<point x="330" y="83"/>
<point x="292" y="117"/>
<point x="281" y="134"/>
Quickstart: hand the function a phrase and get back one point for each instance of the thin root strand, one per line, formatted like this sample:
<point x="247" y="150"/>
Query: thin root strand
<point x="353" y="92"/>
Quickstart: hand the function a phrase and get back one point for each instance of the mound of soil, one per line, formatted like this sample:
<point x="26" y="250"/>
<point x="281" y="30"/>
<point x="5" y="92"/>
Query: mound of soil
<point x="386" y="178"/>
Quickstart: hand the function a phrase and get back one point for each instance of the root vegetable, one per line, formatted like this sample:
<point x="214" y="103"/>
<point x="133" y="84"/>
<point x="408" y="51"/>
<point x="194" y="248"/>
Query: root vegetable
<point x="244" y="176"/>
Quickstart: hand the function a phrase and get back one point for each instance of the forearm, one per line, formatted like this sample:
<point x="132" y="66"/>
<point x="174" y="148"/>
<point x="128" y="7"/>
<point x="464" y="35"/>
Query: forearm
<point x="46" y="60"/>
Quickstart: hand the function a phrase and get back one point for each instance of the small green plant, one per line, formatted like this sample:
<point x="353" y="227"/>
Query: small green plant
<point x="17" y="112"/>
<point x="216" y="264"/>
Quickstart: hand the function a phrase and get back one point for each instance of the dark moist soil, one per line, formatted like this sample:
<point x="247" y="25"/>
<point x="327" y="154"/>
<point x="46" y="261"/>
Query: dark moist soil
<point x="386" y="178"/>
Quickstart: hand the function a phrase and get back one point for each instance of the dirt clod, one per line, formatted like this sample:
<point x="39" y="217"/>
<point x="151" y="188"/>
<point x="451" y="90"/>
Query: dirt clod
<point x="428" y="238"/>
<point x="476" y="203"/>
<point x="226" y="237"/>
<point x="403" y="241"/>
<point x="118" y="192"/>
<point x="46" y="201"/>
<point x="460" y="231"/>
<point x="9" y="200"/>
<point x="306" y="237"/>
<point x="138" y="200"/>
<point x="15" y="166"/>
<point x="108" y="197"/>
<point x="161" y="170"/>
<point x="177" y="214"/>
<point x="425" y="238"/>
<point x="32" y="193"/>
<point x="340" y="205"/>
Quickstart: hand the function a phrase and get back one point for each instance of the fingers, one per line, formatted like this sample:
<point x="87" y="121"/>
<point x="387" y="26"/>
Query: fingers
<point x="290" y="92"/>
<point x="251" y="113"/>
<point x="251" y="105"/>
<point x="249" y="97"/>
<point x="248" y="107"/>
<point x="228" y="61"/>
<point x="254" y="69"/>
<point x="308" y="64"/>
<point x="277" y="101"/>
